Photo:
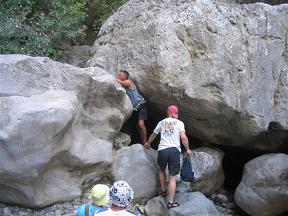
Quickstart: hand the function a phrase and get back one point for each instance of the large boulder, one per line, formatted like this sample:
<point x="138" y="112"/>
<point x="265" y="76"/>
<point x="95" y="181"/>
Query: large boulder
<point x="134" y="162"/>
<point x="208" y="170"/>
<point x="156" y="206"/>
<point x="225" y="65"/>
<point x="57" y="125"/>
<point x="138" y="167"/>
<point x="263" y="190"/>
<point x="193" y="203"/>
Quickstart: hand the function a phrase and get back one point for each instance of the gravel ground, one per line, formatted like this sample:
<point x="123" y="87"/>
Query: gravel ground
<point x="222" y="200"/>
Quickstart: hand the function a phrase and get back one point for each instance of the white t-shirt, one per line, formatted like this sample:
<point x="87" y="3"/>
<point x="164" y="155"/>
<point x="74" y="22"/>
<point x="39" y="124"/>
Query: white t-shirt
<point x="109" y="212"/>
<point x="170" y="129"/>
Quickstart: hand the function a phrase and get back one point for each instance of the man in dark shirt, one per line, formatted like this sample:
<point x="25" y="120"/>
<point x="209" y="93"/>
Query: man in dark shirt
<point x="138" y="102"/>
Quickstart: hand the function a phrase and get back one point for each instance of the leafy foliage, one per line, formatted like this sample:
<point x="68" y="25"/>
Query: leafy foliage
<point x="98" y="11"/>
<point x="49" y="27"/>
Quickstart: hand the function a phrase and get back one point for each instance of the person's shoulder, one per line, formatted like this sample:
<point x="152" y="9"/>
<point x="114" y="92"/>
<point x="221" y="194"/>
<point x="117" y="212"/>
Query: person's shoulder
<point x="80" y="211"/>
<point x="180" y="123"/>
<point x="103" y="211"/>
<point x="97" y="208"/>
<point x="132" y="213"/>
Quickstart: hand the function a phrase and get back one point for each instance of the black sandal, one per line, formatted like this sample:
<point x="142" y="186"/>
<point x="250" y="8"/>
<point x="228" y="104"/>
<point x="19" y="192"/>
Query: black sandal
<point x="163" y="193"/>
<point x="172" y="205"/>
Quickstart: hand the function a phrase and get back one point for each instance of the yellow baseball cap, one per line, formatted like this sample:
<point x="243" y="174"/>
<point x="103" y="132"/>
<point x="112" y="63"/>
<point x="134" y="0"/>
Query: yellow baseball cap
<point x="100" y="194"/>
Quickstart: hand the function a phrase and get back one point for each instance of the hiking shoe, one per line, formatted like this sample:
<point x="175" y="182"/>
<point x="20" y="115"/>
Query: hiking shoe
<point x="172" y="205"/>
<point x="163" y="193"/>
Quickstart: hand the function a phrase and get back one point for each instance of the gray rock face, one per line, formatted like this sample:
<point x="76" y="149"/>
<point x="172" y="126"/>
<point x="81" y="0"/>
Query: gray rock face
<point x="79" y="55"/>
<point x="133" y="163"/>
<point x="271" y="2"/>
<point x="156" y="206"/>
<point x="225" y="65"/>
<point x="122" y="140"/>
<point x="57" y="123"/>
<point x="138" y="167"/>
<point x="264" y="186"/>
<point x="194" y="203"/>
<point x="208" y="171"/>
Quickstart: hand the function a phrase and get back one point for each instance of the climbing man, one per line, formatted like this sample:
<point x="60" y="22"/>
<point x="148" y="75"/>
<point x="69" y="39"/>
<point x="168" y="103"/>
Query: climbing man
<point x="138" y="102"/>
<point x="172" y="130"/>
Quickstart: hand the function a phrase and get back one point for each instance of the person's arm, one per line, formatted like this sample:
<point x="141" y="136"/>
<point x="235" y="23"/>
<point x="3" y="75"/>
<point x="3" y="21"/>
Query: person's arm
<point x="185" y="142"/>
<point x="150" y="140"/>
<point x="125" y="83"/>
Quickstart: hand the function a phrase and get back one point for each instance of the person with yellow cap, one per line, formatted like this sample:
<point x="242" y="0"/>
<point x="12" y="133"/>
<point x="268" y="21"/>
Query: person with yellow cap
<point x="100" y="198"/>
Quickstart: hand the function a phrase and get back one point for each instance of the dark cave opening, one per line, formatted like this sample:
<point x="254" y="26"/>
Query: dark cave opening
<point x="233" y="163"/>
<point x="130" y="128"/>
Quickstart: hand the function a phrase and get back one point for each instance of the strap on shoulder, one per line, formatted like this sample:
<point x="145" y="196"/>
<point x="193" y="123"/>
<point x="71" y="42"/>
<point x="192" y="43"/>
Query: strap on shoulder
<point x="87" y="210"/>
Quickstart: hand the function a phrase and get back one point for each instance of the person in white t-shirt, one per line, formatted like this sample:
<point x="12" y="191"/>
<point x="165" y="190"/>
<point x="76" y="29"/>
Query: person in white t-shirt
<point x="121" y="195"/>
<point x="171" y="130"/>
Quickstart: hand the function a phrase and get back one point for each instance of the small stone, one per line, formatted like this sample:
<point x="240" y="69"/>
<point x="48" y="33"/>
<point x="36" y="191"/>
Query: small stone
<point x="229" y="211"/>
<point x="121" y="140"/>
<point x="230" y="205"/>
<point x="21" y="213"/>
<point x="7" y="212"/>
<point x="66" y="206"/>
<point x="213" y="196"/>
<point x="222" y="191"/>
<point x="141" y="209"/>
<point x="220" y="209"/>
<point x="221" y="198"/>
<point x="57" y="213"/>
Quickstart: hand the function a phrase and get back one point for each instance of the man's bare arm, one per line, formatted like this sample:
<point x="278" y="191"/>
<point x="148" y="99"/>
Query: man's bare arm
<point x="125" y="83"/>
<point x="185" y="142"/>
<point x="150" y="140"/>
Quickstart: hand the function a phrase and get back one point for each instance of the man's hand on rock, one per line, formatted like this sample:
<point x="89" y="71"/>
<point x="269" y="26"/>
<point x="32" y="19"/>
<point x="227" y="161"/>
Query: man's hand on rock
<point x="147" y="145"/>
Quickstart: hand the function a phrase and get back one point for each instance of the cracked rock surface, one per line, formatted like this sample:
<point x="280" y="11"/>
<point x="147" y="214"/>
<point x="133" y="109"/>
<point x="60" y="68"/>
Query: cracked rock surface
<point x="225" y="65"/>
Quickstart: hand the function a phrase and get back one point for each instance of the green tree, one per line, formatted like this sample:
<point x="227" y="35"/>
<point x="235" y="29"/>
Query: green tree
<point x="49" y="27"/>
<point x="98" y="12"/>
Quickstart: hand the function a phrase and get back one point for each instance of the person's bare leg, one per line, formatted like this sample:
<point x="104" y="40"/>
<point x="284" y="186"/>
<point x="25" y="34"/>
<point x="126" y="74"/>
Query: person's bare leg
<point x="142" y="131"/>
<point x="171" y="189"/>
<point x="162" y="177"/>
